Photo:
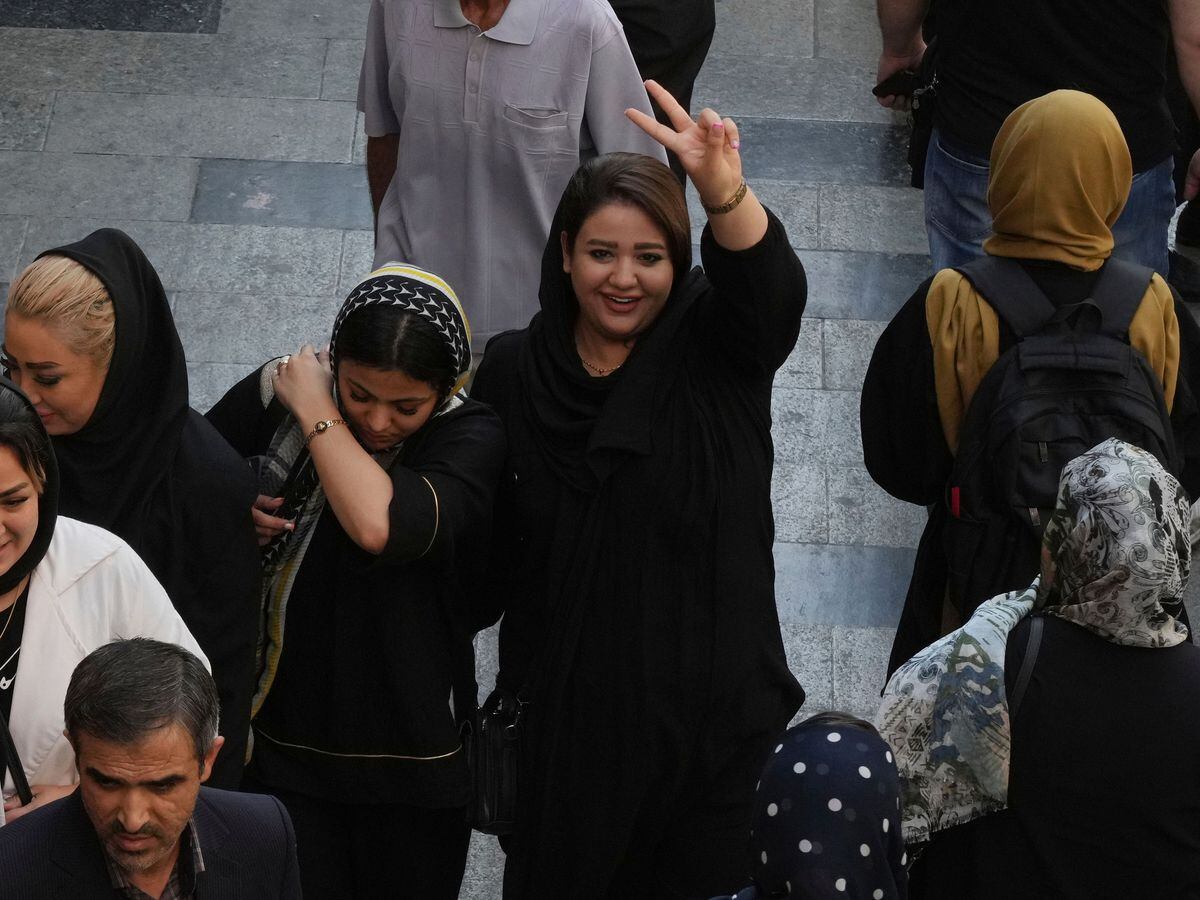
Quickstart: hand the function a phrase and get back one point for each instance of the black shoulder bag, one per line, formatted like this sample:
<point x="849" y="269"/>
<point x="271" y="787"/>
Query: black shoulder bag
<point x="12" y="762"/>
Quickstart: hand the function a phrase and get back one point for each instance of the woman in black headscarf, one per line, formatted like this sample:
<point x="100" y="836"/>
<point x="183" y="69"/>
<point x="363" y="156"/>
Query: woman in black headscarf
<point x="90" y="339"/>
<point x="66" y="588"/>
<point x="634" y="529"/>
<point x="376" y="477"/>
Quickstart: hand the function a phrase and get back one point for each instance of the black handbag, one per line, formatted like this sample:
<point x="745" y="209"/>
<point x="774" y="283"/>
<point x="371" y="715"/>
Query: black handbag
<point x="492" y="740"/>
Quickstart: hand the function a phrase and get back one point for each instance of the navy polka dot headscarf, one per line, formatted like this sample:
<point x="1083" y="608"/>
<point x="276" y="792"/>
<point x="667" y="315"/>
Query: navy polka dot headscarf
<point x="827" y="818"/>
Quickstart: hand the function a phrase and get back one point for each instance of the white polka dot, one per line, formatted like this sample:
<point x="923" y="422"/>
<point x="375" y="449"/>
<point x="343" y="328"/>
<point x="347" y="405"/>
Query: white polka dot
<point x="864" y="771"/>
<point x="780" y="747"/>
<point x="878" y="894"/>
<point x="864" y="850"/>
<point x="888" y="755"/>
<point x="840" y="884"/>
<point x="886" y="825"/>
<point x="805" y="846"/>
<point x="799" y="768"/>
<point x="764" y="857"/>
<point x="833" y="737"/>
<point x="835" y="804"/>
<point x="772" y="809"/>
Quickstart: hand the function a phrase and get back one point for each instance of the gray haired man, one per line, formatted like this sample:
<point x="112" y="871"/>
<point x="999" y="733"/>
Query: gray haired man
<point x="142" y="718"/>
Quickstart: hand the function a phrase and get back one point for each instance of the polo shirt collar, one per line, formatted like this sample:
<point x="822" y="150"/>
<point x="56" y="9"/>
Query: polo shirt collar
<point x="516" y="26"/>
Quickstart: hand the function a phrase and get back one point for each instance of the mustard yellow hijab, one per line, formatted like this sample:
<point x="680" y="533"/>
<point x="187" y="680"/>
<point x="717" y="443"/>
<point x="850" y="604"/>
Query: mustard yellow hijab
<point x="1060" y="176"/>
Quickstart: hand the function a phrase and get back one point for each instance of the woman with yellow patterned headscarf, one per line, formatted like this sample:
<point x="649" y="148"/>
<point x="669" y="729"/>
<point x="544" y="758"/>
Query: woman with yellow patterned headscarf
<point x="376" y="476"/>
<point x="1060" y="175"/>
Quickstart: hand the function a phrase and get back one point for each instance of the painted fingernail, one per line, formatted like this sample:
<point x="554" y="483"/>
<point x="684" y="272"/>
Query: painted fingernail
<point x="718" y="126"/>
<point x="735" y="144"/>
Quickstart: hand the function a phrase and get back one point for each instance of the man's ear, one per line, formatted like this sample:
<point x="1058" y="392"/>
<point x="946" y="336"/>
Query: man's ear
<point x="566" y="252"/>
<point x="206" y="764"/>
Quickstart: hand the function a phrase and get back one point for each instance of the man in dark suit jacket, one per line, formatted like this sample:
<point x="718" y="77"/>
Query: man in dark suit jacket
<point x="141" y="716"/>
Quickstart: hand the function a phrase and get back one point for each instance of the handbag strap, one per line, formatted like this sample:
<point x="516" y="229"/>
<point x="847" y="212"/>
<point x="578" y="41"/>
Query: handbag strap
<point x="1032" y="645"/>
<point x="12" y="761"/>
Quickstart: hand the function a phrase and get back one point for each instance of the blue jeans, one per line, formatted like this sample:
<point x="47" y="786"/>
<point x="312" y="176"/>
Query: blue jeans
<point x="957" y="218"/>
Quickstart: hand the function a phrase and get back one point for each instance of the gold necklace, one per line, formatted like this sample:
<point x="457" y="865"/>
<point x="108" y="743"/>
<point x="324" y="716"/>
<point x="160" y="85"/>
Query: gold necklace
<point x="597" y="369"/>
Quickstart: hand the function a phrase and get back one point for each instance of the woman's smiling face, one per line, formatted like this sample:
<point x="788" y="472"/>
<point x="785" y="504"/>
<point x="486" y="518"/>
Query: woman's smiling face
<point x="620" y="272"/>
<point x="18" y="509"/>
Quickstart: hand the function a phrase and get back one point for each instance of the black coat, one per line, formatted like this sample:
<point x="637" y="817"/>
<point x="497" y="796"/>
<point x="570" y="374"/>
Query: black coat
<point x="637" y="580"/>
<point x="904" y="446"/>
<point x="247" y="842"/>
<point x="359" y="711"/>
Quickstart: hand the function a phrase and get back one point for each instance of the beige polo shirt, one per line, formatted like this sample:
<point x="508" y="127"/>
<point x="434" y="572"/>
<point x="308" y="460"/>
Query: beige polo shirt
<point x="492" y="125"/>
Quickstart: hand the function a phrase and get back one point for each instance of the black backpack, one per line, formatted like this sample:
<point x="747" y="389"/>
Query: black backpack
<point x="1070" y="381"/>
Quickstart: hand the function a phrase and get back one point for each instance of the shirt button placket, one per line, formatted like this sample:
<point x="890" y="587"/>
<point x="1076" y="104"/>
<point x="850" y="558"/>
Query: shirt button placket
<point x="475" y="48"/>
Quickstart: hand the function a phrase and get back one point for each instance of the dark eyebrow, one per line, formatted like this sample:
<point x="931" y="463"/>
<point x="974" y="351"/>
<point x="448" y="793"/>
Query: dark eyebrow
<point x="600" y="243"/>
<point x="168" y="781"/>
<point x="31" y="365"/>
<point x="362" y="390"/>
<point x="14" y="490"/>
<point x="649" y="245"/>
<point x="645" y="245"/>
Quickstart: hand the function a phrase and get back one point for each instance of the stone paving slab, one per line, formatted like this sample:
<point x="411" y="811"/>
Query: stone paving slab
<point x="343" y="62"/>
<point x="294" y="18"/>
<point x="860" y="658"/>
<point x="816" y="426"/>
<point x="847" y="348"/>
<point x="358" y="257"/>
<point x="24" y="118"/>
<point x="248" y="328"/>
<point x="869" y="217"/>
<point x="192" y="16"/>
<point x="122" y="61"/>
<point x="855" y="285"/>
<point x="237" y="259"/>
<point x="836" y="584"/>
<point x="861" y="513"/>
<point x="798" y="150"/>
<point x="83" y="184"/>
<point x="229" y="127"/>
<point x="848" y="29"/>
<point x="809" y="651"/>
<point x="12" y="236"/>
<point x="208" y="382"/>
<point x="322" y="195"/>
<point x="783" y="87"/>
<point x="800" y="498"/>
<point x="803" y="367"/>
<point x="766" y="27"/>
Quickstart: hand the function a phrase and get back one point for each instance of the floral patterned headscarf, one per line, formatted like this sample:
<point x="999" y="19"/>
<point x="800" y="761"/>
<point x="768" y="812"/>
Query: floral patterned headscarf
<point x="1118" y="549"/>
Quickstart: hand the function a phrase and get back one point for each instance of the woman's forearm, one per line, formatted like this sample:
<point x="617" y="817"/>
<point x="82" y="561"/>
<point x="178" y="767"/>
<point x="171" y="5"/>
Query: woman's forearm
<point x="740" y="228"/>
<point x="356" y="487"/>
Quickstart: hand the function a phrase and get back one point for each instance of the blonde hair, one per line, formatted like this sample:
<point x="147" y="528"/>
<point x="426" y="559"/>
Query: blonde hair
<point x="61" y="292"/>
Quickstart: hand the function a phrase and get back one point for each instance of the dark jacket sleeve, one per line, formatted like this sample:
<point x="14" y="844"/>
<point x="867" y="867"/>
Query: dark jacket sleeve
<point x="443" y="494"/>
<point x="903" y="445"/>
<point x="1185" y="413"/>
<point x="752" y="315"/>
<point x="289" y="883"/>
<point x="238" y="415"/>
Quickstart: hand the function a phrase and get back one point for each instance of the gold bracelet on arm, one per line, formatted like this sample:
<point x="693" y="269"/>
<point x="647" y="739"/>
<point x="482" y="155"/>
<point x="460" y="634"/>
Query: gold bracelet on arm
<point x="729" y="205"/>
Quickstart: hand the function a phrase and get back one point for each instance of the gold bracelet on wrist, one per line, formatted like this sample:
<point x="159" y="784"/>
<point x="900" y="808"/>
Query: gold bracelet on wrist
<point x="729" y="205"/>
<point x="322" y="427"/>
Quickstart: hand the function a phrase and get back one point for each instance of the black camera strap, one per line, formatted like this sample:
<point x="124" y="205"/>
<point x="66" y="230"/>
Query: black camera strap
<point x="12" y="762"/>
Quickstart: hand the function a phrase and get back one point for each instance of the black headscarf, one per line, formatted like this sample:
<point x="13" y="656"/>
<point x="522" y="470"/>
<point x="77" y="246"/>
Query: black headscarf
<point x="119" y="464"/>
<point x="563" y="402"/>
<point x="14" y="407"/>
<point x="827" y="818"/>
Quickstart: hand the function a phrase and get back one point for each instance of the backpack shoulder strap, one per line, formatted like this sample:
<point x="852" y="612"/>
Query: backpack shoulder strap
<point x="1034" y="643"/>
<point x="1119" y="292"/>
<point x="1009" y="290"/>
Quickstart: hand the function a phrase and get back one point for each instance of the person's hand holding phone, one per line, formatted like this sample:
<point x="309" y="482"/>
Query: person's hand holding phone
<point x="890" y="83"/>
